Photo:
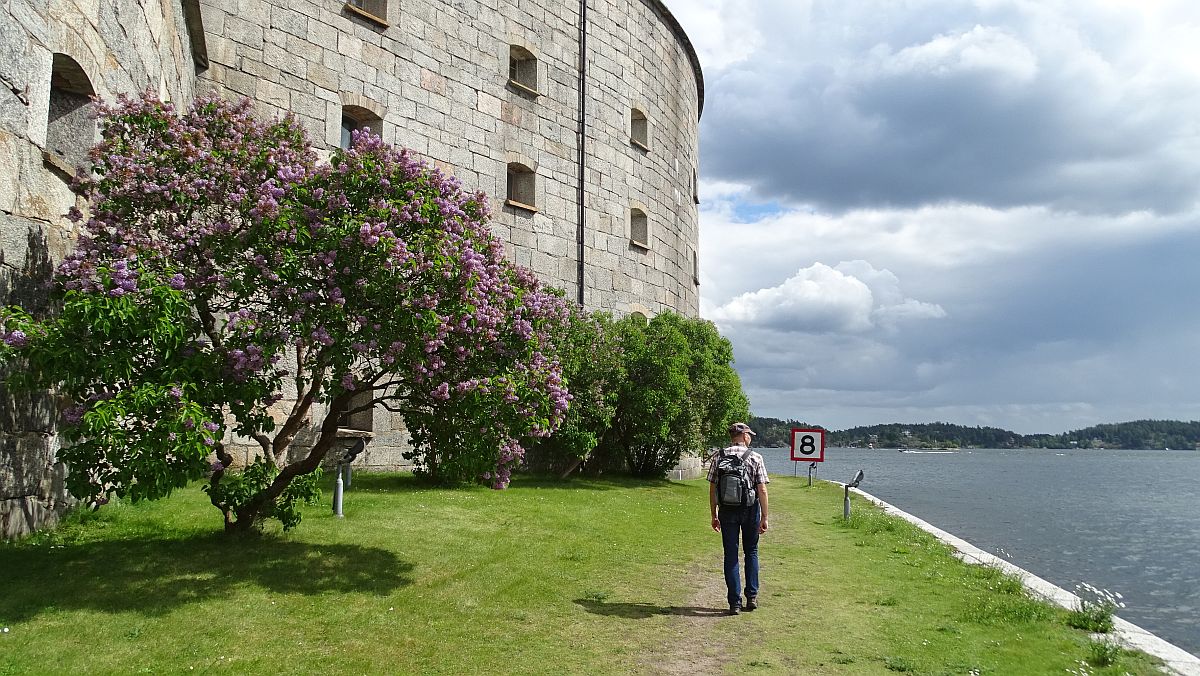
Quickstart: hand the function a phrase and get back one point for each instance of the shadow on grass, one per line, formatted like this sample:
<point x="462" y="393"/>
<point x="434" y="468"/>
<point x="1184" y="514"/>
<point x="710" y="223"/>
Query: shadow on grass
<point x="154" y="576"/>
<point x="641" y="611"/>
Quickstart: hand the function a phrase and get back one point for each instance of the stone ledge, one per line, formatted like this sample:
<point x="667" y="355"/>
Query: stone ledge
<point x="346" y="433"/>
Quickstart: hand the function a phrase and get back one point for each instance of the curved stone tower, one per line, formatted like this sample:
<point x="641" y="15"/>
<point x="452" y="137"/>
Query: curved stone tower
<point x="491" y="92"/>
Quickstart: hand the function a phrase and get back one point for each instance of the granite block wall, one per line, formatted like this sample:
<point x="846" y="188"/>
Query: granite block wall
<point x="78" y="47"/>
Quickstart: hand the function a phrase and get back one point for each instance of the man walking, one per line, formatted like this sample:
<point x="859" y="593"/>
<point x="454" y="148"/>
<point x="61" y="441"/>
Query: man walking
<point x="737" y="497"/>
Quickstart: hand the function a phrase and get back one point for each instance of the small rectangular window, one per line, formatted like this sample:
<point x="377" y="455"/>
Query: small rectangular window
<point x="355" y="118"/>
<point x="522" y="69"/>
<point x="639" y="228"/>
<point x="521" y="191"/>
<point x="375" y="10"/>
<point x="364" y="420"/>
<point x="639" y="132"/>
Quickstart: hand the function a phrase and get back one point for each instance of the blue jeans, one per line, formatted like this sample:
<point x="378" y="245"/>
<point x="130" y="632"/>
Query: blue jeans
<point x="741" y="521"/>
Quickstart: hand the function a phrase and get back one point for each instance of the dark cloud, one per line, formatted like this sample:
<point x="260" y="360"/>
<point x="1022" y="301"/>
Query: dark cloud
<point x="952" y="102"/>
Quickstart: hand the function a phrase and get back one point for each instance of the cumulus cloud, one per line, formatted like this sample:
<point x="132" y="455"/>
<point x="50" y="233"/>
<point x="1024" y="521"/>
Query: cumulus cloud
<point x="852" y="297"/>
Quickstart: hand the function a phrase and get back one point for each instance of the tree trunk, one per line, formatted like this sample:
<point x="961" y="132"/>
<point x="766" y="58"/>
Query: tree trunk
<point x="575" y="465"/>
<point x="251" y="512"/>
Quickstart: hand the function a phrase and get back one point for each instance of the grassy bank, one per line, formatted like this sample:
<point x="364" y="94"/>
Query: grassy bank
<point x="585" y="577"/>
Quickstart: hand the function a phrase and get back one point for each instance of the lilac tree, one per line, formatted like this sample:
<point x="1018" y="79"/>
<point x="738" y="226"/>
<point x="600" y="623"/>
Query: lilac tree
<point x="226" y="281"/>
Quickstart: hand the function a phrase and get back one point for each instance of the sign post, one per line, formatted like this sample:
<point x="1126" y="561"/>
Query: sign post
<point x="808" y="445"/>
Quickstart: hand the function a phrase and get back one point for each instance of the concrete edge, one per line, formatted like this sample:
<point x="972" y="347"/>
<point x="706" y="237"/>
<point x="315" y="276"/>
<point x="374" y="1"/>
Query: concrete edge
<point x="1176" y="660"/>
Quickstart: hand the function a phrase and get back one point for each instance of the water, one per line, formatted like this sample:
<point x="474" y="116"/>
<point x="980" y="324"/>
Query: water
<point x="1126" y="521"/>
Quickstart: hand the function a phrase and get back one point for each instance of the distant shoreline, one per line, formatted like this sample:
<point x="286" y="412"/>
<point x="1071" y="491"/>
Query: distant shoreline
<point x="988" y="448"/>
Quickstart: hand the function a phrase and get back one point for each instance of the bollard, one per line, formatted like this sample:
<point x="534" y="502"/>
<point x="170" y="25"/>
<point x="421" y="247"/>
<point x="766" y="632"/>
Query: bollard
<point x="811" y="467"/>
<point x="337" y="493"/>
<point x="348" y="472"/>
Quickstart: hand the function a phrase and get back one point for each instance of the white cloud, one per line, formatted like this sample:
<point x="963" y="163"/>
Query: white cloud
<point x="816" y="299"/>
<point x="722" y="31"/>
<point x="852" y="297"/>
<point x="980" y="51"/>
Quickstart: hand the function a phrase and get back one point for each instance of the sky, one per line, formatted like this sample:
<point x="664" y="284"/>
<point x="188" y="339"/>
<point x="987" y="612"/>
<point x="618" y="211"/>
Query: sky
<point x="981" y="212"/>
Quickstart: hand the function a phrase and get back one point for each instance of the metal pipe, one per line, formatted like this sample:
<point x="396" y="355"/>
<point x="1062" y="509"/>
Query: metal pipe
<point x="582" y="136"/>
<point x="337" y="493"/>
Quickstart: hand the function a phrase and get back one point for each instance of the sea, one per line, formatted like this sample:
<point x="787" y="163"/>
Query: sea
<point x="1125" y="521"/>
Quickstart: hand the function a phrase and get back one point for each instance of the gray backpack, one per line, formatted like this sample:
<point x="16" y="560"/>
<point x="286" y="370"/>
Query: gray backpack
<point x="735" y="481"/>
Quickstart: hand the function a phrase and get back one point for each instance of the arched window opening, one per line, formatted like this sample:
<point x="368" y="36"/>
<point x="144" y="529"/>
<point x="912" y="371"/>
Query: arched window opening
<point x="639" y="131"/>
<point x="522" y="187"/>
<point x="522" y="69"/>
<point x="696" y="267"/>
<point x="355" y="118"/>
<point x="639" y="228"/>
<point x="695" y="186"/>
<point x="70" y="126"/>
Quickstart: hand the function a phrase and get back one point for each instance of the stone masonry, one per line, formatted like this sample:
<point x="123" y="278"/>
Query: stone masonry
<point x="432" y="76"/>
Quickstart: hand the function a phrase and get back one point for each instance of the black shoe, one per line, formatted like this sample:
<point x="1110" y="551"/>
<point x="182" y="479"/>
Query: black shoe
<point x="751" y="603"/>
<point x="734" y="610"/>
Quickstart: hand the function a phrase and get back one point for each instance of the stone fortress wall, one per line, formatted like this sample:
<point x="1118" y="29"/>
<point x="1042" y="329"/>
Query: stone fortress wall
<point x="435" y="76"/>
<point x="53" y="54"/>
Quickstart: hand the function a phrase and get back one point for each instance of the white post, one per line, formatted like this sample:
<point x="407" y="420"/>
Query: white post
<point x="337" y="494"/>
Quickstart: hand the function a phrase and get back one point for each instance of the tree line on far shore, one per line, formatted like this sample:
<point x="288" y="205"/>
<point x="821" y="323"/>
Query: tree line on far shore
<point x="1135" y="435"/>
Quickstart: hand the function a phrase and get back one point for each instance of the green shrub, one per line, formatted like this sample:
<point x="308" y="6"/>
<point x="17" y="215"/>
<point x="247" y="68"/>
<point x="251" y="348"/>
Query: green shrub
<point x="1103" y="652"/>
<point x="1095" y="609"/>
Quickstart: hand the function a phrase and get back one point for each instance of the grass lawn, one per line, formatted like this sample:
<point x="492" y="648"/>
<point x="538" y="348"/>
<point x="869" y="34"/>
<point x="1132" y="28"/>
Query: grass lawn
<point x="589" y="576"/>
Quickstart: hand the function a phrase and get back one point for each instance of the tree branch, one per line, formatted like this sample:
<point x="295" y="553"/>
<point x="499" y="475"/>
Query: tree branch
<point x="208" y="322"/>
<point x="251" y="509"/>
<point x="297" y="417"/>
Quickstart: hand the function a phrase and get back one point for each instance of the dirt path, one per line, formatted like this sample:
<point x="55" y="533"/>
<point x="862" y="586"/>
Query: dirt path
<point x="695" y="649"/>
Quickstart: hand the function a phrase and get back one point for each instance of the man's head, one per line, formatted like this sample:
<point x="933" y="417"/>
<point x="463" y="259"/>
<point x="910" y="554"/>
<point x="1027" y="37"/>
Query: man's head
<point x="740" y="433"/>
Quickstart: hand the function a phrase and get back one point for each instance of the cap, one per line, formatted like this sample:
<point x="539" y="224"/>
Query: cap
<point x="738" y="428"/>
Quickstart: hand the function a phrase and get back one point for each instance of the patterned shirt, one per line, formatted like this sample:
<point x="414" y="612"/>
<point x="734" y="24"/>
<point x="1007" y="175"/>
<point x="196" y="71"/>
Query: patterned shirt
<point x="758" y="468"/>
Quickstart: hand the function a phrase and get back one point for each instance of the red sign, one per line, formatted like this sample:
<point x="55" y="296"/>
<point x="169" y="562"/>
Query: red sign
<point x="808" y="445"/>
